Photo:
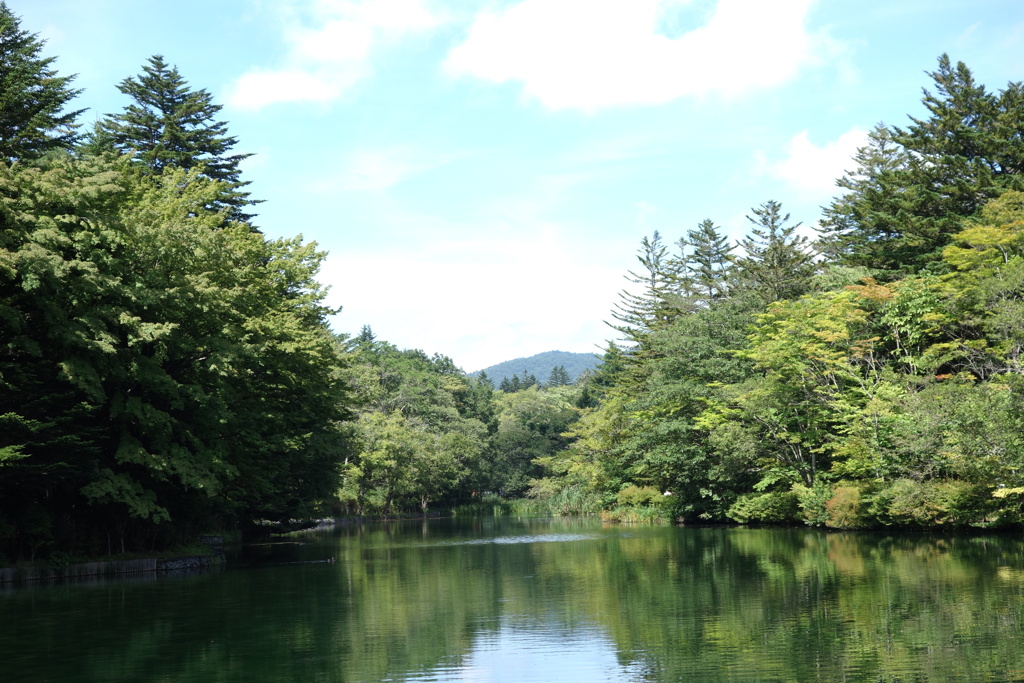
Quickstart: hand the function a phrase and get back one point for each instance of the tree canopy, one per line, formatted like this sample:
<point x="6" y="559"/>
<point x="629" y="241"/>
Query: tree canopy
<point x="169" y="125"/>
<point x="34" y="118"/>
<point x="166" y="369"/>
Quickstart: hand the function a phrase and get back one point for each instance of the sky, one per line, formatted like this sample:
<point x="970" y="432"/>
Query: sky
<point x="481" y="172"/>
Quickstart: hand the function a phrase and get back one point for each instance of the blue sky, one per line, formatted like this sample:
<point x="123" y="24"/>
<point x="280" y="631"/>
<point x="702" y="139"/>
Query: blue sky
<point x="482" y="171"/>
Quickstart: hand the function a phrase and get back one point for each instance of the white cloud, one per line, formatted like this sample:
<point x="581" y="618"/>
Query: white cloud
<point x="509" y="293"/>
<point x="258" y="88"/>
<point x="341" y="42"/>
<point x="375" y="170"/>
<point x="590" y="54"/>
<point x="814" y="170"/>
<point x="330" y="50"/>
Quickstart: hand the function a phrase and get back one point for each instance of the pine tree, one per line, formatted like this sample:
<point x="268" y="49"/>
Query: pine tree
<point x="777" y="263"/>
<point x="914" y="186"/>
<point x="710" y="265"/>
<point x="32" y="95"/>
<point x="170" y="125"/>
<point x="559" y="377"/>
<point x="613" y="369"/>
<point x="861" y="227"/>
<point x="366" y="335"/>
<point x="660" y="299"/>
<point x="954" y="168"/>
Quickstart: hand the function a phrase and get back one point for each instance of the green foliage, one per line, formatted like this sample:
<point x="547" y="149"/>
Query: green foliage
<point x="640" y="505"/>
<point x="777" y="507"/>
<point x="636" y="496"/>
<point x="863" y="226"/>
<point x="813" y="501"/>
<point x="168" y="125"/>
<point x="159" y="367"/>
<point x="558" y="377"/>
<point x="914" y="186"/>
<point x="659" y="299"/>
<point x="709" y="263"/>
<point x="33" y="120"/>
<point x="804" y="349"/>
<point x="570" y="500"/>
<point x="531" y="429"/>
<point x="515" y="384"/>
<point x="843" y="385"/>
<point x="907" y="502"/>
<point x="777" y="262"/>
<point x="422" y="432"/>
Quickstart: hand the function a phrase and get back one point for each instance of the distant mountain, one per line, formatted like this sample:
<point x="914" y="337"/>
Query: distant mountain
<point x="540" y="366"/>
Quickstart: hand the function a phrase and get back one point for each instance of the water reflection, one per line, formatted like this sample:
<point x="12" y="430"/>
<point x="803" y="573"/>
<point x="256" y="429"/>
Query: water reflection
<point x="531" y="653"/>
<point x="541" y="600"/>
<point x="531" y="538"/>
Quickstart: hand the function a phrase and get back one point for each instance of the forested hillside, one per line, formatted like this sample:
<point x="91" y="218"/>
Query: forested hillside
<point x="167" y="370"/>
<point x="164" y="368"/>
<point x="539" y="367"/>
<point x="870" y="378"/>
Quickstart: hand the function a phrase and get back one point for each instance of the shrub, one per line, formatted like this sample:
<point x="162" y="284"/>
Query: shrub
<point x="1009" y="504"/>
<point x="812" y="500"/>
<point x="932" y="503"/>
<point x="846" y="509"/>
<point x="636" y="496"/>
<point x="778" y="507"/>
<point x="636" y="515"/>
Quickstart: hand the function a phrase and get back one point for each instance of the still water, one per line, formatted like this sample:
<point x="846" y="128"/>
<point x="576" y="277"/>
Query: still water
<point x="519" y="600"/>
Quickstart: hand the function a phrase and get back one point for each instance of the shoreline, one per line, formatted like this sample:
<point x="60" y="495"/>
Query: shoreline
<point x="44" y="572"/>
<point x="89" y="571"/>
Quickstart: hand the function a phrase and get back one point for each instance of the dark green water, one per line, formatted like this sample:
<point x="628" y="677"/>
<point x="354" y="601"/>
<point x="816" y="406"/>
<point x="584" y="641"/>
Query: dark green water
<point x="541" y="600"/>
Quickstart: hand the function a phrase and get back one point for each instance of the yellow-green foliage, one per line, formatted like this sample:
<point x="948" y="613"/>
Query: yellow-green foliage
<point x="931" y="503"/>
<point x="983" y="248"/>
<point x="636" y="496"/>
<point x="639" y="505"/>
<point x="812" y="500"/>
<point x="777" y="507"/>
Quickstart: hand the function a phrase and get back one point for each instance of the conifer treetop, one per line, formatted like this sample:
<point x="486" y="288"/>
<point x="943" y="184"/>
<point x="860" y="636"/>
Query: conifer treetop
<point x="32" y="96"/>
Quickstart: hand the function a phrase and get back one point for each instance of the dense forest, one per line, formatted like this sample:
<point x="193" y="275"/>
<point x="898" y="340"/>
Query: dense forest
<point x="167" y="370"/>
<point x="164" y="368"/>
<point x="869" y="377"/>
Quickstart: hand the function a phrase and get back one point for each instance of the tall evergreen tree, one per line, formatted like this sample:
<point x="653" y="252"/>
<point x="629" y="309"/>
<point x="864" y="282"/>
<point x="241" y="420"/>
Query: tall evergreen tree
<point x="861" y="227"/>
<point x="915" y="185"/>
<point x="955" y="167"/>
<point x="777" y="262"/>
<point x="659" y="299"/>
<point x="32" y="95"/>
<point x="710" y="265"/>
<point x="170" y="125"/>
<point x="559" y="377"/>
<point x="366" y="336"/>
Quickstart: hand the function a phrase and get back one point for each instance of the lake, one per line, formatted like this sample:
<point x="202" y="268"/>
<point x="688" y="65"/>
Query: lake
<point x="519" y="600"/>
